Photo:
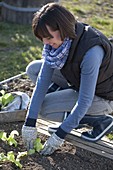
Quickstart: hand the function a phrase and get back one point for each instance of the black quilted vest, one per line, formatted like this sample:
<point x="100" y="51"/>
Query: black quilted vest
<point x="86" y="38"/>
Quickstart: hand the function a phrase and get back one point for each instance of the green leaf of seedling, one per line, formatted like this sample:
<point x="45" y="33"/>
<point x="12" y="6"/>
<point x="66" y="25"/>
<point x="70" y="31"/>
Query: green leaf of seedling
<point x="2" y="157"/>
<point x="110" y="136"/>
<point x="14" y="132"/>
<point x="21" y="154"/>
<point x="11" y="156"/>
<point x="1" y="100"/>
<point x="31" y="151"/>
<point x="7" y="98"/>
<point x="3" y="136"/>
<point x="2" y="92"/>
<point x="37" y="145"/>
<point x="17" y="163"/>
<point x="11" y="141"/>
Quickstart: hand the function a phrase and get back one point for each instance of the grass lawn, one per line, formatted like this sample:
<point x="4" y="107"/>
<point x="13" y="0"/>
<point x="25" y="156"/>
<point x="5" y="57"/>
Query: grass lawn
<point x="18" y="46"/>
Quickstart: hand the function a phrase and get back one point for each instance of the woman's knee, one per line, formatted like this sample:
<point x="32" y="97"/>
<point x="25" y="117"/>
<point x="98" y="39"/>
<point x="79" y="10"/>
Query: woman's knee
<point x="53" y="116"/>
<point x="33" y="69"/>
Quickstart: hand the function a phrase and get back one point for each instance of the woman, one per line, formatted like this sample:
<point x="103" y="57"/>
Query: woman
<point x="79" y="59"/>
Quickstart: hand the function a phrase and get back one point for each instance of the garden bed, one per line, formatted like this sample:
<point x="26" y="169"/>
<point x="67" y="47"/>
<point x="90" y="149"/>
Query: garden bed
<point x="68" y="157"/>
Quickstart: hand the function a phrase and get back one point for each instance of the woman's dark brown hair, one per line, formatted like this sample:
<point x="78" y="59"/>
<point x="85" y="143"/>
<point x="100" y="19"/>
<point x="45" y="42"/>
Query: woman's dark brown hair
<point x="57" y="18"/>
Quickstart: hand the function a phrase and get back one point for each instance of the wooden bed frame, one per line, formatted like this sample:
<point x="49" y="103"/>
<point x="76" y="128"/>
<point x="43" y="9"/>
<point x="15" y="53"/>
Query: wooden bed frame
<point x="103" y="147"/>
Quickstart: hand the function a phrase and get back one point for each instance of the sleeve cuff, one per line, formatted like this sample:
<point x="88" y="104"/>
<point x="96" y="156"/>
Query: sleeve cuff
<point x="30" y="122"/>
<point x="61" y="133"/>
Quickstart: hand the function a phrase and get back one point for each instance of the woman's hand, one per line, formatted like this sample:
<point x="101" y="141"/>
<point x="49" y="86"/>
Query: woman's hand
<point x="29" y="135"/>
<point x="52" y="144"/>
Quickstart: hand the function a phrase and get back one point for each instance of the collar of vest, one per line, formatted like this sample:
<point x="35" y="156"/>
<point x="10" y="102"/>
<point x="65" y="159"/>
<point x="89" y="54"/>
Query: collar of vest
<point x="79" y="28"/>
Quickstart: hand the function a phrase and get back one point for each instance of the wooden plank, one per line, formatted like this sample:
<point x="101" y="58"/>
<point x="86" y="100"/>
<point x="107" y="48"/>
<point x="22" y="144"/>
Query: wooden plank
<point x="82" y="145"/>
<point x="12" y="78"/>
<point x="79" y="140"/>
<point x="103" y="147"/>
<point x="98" y="150"/>
<point x="103" y="142"/>
<point x="17" y="115"/>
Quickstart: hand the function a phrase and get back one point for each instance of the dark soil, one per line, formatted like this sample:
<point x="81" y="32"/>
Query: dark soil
<point x="68" y="157"/>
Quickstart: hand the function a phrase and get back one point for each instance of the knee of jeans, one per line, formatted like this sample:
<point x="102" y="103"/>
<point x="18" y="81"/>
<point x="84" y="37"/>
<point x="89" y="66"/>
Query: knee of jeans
<point x="42" y="115"/>
<point x="30" y="73"/>
<point x="56" y="117"/>
<point x="34" y="67"/>
<point x="29" y="69"/>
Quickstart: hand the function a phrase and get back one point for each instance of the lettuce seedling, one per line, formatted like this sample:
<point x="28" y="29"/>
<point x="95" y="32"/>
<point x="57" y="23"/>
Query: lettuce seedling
<point x="2" y="157"/>
<point x="5" y="99"/>
<point x="3" y="136"/>
<point x="10" y="140"/>
<point x="31" y="151"/>
<point x="21" y="154"/>
<point x="17" y="160"/>
<point x="37" y="147"/>
<point x="11" y="157"/>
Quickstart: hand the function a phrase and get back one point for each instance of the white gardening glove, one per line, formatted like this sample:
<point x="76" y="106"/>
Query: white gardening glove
<point x="53" y="143"/>
<point x="29" y="134"/>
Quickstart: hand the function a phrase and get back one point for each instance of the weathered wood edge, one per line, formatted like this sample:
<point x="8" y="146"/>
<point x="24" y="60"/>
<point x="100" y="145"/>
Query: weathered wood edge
<point x="103" y="147"/>
<point x="14" y="116"/>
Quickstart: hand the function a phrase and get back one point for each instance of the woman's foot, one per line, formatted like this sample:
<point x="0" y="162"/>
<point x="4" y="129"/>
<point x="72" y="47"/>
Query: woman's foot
<point x="100" y="128"/>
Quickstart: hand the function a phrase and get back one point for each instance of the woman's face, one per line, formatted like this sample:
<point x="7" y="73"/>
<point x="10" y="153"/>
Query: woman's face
<point x="55" y="41"/>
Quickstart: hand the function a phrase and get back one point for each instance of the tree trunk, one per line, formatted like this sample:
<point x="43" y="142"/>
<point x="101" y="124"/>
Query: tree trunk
<point x="21" y="12"/>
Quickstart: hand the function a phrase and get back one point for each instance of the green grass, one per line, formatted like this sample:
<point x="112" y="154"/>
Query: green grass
<point x="18" y="46"/>
<point x="97" y="13"/>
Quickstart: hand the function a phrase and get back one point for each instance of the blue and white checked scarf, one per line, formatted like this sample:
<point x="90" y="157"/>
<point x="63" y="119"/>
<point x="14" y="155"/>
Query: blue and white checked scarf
<point x="56" y="58"/>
